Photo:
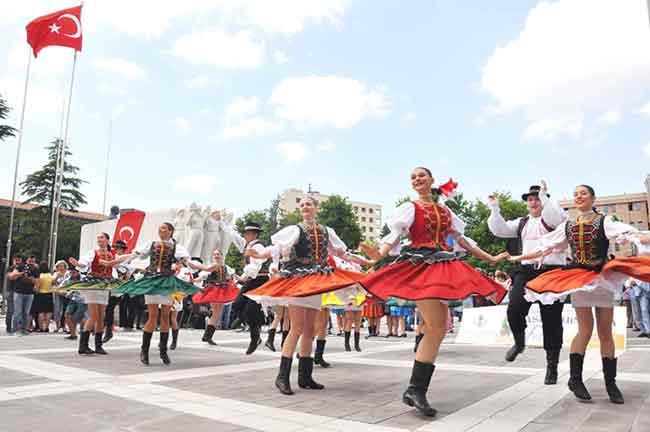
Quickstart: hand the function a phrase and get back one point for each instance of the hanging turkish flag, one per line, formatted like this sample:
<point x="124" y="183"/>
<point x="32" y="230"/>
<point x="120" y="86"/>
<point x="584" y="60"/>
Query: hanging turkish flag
<point x="128" y="228"/>
<point x="62" y="28"/>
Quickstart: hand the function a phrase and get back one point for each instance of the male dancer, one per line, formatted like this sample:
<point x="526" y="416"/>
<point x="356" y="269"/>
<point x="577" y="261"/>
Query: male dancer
<point x="254" y="274"/>
<point x="543" y="217"/>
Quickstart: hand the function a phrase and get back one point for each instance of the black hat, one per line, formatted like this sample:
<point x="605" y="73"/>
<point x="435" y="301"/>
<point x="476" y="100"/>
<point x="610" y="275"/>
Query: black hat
<point x="534" y="190"/>
<point x="252" y="226"/>
<point x="120" y="244"/>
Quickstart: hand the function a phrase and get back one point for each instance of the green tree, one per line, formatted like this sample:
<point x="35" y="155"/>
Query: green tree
<point x="39" y="186"/>
<point x="6" y="131"/>
<point x="336" y="212"/>
<point x="292" y="218"/>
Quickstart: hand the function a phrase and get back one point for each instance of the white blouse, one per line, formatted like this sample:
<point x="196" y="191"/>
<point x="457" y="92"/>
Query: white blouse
<point x="285" y="239"/>
<point x="404" y="217"/>
<point x="181" y="254"/>
<point x="557" y="241"/>
<point x="252" y="269"/>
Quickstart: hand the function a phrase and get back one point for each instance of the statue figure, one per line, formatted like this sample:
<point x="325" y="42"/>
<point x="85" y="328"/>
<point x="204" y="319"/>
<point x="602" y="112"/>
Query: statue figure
<point x="194" y="225"/>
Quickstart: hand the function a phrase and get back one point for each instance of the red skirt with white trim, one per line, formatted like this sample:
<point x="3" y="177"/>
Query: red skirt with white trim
<point x="217" y="294"/>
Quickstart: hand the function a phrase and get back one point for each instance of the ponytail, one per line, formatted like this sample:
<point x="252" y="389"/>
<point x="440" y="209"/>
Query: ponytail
<point x="108" y="241"/>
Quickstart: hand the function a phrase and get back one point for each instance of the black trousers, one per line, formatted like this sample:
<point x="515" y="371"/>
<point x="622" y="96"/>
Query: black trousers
<point x="109" y="318"/>
<point x="247" y="310"/>
<point x="518" y="309"/>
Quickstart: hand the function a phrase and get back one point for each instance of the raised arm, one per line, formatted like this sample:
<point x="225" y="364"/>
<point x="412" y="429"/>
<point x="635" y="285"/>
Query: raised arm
<point x="497" y="224"/>
<point x="552" y="214"/>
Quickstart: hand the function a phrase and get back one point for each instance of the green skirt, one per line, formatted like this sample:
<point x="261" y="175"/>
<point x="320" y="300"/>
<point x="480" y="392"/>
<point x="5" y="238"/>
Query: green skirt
<point x="164" y="285"/>
<point x="92" y="283"/>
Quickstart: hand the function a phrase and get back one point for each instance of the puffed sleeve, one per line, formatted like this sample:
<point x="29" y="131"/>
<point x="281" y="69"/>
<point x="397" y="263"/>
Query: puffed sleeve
<point x="552" y="214"/>
<point x="181" y="253"/>
<point x="335" y="246"/>
<point x="283" y="241"/>
<point x="555" y="240"/>
<point x="237" y="239"/>
<point x="458" y="232"/>
<point x="85" y="261"/>
<point x="252" y="269"/>
<point x="203" y="275"/>
<point x="399" y="224"/>
<point x="144" y="251"/>
<point x="615" y="229"/>
<point x="499" y="226"/>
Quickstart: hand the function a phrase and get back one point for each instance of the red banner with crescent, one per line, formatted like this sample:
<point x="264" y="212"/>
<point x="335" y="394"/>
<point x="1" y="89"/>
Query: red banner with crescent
<point x="128" y="228"/>
<point x="62" y="28"/>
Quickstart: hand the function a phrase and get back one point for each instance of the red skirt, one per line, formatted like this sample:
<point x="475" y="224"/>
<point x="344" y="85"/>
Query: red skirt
<point x="559" y="283"/>
<point x="446" y="280"/>
<point x="373" y="310"/>
<point x="217" y="294"/>
<point x="306" y="286"/>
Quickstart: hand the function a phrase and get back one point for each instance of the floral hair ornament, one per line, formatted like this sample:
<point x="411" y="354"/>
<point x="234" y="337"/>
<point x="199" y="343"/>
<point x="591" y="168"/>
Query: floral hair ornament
<point x="448" y="188"/>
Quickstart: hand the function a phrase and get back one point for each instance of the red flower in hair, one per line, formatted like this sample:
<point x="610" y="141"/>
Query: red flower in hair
<point x="448" y="188"/>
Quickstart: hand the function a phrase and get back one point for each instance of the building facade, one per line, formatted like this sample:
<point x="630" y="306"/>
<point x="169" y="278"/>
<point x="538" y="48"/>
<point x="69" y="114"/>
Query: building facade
<point x="368" y="215"/>
<point x="632" y="209"/>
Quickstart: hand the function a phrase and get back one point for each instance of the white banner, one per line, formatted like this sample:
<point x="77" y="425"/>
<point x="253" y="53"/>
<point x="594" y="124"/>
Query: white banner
<point x="489" y="325"/>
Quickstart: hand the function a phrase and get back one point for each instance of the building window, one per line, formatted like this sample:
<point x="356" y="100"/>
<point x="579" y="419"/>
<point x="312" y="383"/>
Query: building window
<point x="640" y="225"/>
<point x="371" y="230"/>
<point x="371" y="220"/>
<point x="635" y="206"/>
<point x="370" y="210"/>
<point x="297" y="200"/>
<point x="605" y="209"/>
<point x="363" y="219"/>
<point x="617" y="247"/>
<point x="365" y="229"/>
<point x="356" y="209"/>
<point x="363" y="209"/>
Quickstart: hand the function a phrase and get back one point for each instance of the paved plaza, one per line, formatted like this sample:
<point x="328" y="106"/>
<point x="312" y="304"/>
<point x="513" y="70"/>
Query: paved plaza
<point x="45" y="385"/>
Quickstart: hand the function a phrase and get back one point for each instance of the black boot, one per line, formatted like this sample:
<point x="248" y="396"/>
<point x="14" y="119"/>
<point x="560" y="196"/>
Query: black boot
<point x="285" y="333"/>
<point x="347" y="342"/>
<point x="282" y="381"/>
<point x="174" y="343"/>
<point x="164" y="338"/>
<point x="575" y="380"/>
<point x="609" y="371"/>
<point x="208" y="333"/>
<point x="98" y="343"/>
<point x="518" y="347"/>
<point x="270" y="340"/>
<point x="318" y="354"/>
<point x="108" y="334"/>
<point x="144" y="349"/>
<point x="371" y="332"/>
<point x="552" y="358"/>
<point x="305" y="370"/>
<point x="418" y="339"/>
<point x="357" y="336"/>
<point x="84" y="349"/>
<point x="255" y="340"/>
<point x="416" y="393"/>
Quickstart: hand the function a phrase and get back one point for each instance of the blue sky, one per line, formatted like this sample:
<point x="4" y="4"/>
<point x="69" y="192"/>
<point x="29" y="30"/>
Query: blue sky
<point x="228" y="103"/>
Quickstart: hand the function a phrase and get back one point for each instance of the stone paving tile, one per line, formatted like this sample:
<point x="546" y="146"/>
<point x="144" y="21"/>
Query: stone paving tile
<point x="10" y="378"/>
<point x="128" y="361"/>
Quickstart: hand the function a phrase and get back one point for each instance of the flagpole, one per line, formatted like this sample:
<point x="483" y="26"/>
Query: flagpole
<point x="13" y="194"/>
<point x="62" y="165"/>
<point x="59" y="152"/>
<point x="108" y="161"/>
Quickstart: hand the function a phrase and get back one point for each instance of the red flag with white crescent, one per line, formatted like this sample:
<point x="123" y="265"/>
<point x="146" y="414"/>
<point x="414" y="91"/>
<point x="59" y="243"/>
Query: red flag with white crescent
<point x="62" y="28"/>
<point x="128" y="228"/>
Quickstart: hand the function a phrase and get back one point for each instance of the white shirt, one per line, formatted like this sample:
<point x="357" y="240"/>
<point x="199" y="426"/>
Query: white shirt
<point x="531" y="236"/>
<point x="180" y="253"/>
<point x="252" y="269"/>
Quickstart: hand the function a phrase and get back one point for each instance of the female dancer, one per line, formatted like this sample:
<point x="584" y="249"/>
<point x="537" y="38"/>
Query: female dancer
<point x="429" y="273"/>
<point x="218" y="289"/>
<point x="273" y="328"/>
<point x="591" y="280"/>
<point x="304" y="277"/>
<point x="95" y="288"/>
<point x="373" y="310"/>
<point x="157" y="285"/>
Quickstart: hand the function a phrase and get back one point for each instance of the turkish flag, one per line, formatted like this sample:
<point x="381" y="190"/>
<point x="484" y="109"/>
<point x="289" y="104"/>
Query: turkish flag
<point x="62" y="28"/>
<point x="128" y="228"/>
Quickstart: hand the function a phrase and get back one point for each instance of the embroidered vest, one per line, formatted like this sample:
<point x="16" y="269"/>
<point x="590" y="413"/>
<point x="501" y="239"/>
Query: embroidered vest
<point x="431" y="226"/>
<point x="588" y="242"/>
<point x="98" y="270"/>
<point x="218" y="277"/>
<point x="162" y="257"/>
<point x="311" y="247"/>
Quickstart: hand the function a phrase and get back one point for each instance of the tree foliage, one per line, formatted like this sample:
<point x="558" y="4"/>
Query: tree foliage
<point x="39" y="185"/>
<point x="6" y="131"/>
<point x="336" y="212"/>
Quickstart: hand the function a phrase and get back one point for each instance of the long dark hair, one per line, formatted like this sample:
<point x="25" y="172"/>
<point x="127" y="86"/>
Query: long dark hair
<point x="172" y="229"/>
<point x="108" y="241"/>
<point x="434" y="191"/>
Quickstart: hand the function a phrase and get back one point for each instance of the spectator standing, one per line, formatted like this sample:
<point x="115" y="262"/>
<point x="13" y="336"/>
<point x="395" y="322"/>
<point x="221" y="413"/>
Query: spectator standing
<point x="26" y="277"/>
<point x="58" y="300"/>
<point x="642" y="290"/>
<point x="43" y="305"/>
<point x="11" y="280"/>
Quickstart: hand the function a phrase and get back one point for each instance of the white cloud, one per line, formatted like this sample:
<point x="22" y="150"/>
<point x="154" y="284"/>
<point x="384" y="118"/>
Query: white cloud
<point x="182" y="124"/>
<point x="572" y="56"/>
<point x="549" y="128"/>
<point x="197" y="183"/>
<point x="215" y="47"/>
<point x="645" y="110"/>
<point x="197" y="82"/>
<point x="106" y="89"/>
<point x="242" y="106"/>
<point x="279" y="57"/>
<point x="646" y="150"/>
<point x="126" y="69"/>
<point x="292" y="151"/>
<point x="609" y="118"/>
<point x="250" y="127"/>
<point x="327" y="146"/>
<point x="410" y="116"/>
<point x="327" y="101"/>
